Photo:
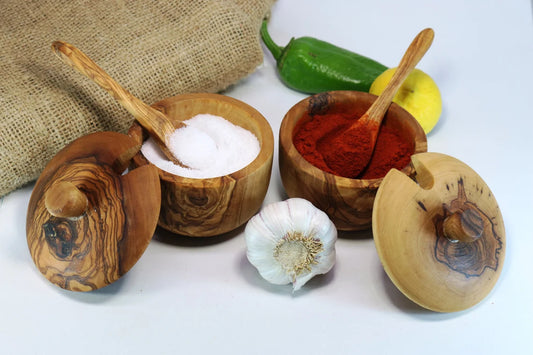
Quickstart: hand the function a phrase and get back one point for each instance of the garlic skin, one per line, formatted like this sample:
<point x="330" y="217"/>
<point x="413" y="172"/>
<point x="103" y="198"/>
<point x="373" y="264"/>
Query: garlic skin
<point x="290" y="242"/>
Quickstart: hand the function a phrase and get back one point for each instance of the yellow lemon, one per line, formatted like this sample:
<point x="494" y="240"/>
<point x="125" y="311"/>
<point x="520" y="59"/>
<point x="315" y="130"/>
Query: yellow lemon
<point x="418" y="95"/>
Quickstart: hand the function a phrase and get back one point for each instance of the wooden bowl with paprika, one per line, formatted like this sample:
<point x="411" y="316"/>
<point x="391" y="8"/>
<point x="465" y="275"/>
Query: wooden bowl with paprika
<point x="206" y="207"/>
<point x="303" y="142"/>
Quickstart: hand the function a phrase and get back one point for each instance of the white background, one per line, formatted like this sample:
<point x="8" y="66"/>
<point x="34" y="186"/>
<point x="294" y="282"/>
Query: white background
<point x="192" y="296"/>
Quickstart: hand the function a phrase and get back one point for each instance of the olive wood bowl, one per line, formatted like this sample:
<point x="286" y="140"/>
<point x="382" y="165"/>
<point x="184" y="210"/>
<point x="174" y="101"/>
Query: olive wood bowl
<point x="348" y="202"/>
<point x="212" y="206"/>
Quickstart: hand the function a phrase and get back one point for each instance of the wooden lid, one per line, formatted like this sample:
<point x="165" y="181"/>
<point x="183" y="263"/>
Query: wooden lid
<point x="441" y="238"/>
<point x="87" y="223"/>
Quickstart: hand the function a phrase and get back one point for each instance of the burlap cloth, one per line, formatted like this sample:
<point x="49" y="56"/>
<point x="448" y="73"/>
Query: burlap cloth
<point x="155" y="49"/>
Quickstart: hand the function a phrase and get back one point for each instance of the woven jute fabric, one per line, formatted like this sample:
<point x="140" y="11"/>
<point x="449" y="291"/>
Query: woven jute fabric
<point x="155" y="49"/>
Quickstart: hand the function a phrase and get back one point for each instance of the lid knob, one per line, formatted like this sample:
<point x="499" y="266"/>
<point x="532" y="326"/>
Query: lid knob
<point x="64" y="199"/>
<point x="463" y="226"/>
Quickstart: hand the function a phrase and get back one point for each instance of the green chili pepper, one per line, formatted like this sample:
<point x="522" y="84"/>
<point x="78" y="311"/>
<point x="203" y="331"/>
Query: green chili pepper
<point x="310" y="65"/>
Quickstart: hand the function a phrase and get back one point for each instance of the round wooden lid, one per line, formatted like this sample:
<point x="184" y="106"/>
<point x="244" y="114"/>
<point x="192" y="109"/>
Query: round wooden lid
<point x="87" y="222"/>
<point x="440" y="237"/>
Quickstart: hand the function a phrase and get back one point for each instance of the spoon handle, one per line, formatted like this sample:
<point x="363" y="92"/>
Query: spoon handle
<point x="155" y="122"/>
<point x="410" y="59"/>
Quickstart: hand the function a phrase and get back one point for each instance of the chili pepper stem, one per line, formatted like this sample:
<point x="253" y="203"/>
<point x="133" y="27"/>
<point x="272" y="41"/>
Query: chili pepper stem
<point x="276" y="50"/>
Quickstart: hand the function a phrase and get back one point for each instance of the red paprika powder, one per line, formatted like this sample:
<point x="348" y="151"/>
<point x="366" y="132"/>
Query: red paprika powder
<point x="313" y="135"/>
<point x="350" y="159"/>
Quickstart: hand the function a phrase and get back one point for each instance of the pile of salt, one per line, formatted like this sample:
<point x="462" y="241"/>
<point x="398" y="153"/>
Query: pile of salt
<point x="209" y="145"/>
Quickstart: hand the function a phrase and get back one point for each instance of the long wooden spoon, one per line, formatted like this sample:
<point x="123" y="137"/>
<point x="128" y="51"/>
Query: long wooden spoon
<point x="159" y="127"/>
<point x="350" y="150"/>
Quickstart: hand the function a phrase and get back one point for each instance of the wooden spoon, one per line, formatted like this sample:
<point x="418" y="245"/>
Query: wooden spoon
<point x="159" y="127"/>
<point x="351" y="159"/>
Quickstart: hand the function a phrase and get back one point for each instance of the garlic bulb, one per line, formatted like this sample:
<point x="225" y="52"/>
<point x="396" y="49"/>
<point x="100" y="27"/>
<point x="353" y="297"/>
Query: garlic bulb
<point x="291" y="241"/>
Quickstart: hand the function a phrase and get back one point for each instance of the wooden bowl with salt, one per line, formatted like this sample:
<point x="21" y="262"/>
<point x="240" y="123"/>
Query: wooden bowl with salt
<point x="347" y="201"/>
<point x="205" y="207"/>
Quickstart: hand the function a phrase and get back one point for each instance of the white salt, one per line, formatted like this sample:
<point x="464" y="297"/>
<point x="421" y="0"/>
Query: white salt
<point x="209" y="145"/>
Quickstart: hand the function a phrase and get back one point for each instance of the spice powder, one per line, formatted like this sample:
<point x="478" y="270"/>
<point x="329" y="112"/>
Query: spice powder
<point x="313" y="135"/>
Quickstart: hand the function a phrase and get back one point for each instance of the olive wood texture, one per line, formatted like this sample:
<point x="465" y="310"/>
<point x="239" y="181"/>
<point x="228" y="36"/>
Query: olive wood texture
<point x="440" y="237"/>
<point x="66" y="200"/>
<point x="347" y="202"/>
<point x="87" y="222"/>
<point x="156" y="123"/>
<point x="370" y="121"/>
<point x="212" y="206"/>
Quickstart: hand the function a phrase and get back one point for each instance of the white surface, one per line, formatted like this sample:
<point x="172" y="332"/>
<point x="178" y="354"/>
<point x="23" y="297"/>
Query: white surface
<point x="202" y="296"/>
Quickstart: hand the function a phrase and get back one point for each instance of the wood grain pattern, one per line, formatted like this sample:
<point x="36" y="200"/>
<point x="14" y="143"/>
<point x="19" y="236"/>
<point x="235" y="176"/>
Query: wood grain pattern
<point x="440" y="270"/>
<point x="209" y="207"/>
<point x="97" y="247"/>
<point x="347" y="202"/>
